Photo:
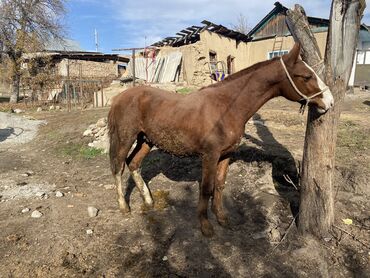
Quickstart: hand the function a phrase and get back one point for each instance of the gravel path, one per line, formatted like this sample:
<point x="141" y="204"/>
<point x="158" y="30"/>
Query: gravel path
<point x="15" y="129"/>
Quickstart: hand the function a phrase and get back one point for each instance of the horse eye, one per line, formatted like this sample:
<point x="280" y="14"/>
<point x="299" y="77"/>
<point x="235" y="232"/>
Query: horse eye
<point x="307" y="78"/>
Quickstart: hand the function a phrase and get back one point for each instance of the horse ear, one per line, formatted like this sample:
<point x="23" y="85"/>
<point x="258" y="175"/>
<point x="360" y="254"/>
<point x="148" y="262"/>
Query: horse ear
<point x="292" y="56"/>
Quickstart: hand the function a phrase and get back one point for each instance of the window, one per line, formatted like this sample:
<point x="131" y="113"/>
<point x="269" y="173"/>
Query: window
<point x="278" y="53"/>
<point x="213" y="60"/>
<point x="212" y="56"/>
<point x="360" y="57"/>
<point x="230" y="64"/>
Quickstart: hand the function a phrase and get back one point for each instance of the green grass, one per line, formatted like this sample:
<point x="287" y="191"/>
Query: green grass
<point x="354" y="137"/>
<point x="184" y="91"/>
<point x="79" y="151"/>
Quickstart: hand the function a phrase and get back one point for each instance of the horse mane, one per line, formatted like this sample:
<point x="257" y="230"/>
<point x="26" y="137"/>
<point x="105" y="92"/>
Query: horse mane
<point x="239" y="74"/>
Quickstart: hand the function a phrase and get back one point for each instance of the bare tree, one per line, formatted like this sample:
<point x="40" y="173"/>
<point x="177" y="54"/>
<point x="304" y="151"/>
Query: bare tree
<point x="24" y="27"/>
<point x="317" y="198"/>
<point x="241" y="24"/>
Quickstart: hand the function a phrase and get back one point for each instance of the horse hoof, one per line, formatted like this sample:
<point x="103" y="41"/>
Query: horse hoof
<point x="207" y="229"/>
<point x="125" y="210"/>
<point x="146" y="206"/>
<point x="223" y="221"/>
<point x="149" y="204"/>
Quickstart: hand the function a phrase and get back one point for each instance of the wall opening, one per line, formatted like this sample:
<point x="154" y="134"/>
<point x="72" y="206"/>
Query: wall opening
<point x="230" y="64"/>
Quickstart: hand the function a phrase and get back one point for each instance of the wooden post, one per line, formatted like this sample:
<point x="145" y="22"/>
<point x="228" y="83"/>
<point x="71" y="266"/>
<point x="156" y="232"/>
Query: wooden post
<point x="133" y="68"/>
<point x="81" y="90"/>
<point x="102" y="94"/>
<point x="317" y="201"/>
<point x="67" y="85"/>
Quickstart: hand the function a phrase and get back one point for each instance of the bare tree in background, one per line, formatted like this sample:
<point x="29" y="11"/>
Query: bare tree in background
<point x="25" y="25"/>
<point x="241" y="25"/>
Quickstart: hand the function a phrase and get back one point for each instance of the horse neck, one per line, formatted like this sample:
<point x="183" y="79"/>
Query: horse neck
<point x="250" y="91"/>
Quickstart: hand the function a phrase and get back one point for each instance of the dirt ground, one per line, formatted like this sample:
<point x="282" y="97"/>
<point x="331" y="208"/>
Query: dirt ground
<point x="262" y="240"/>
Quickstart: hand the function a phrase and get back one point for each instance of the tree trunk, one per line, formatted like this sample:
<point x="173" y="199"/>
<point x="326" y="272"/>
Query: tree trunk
<point x="14" y="88"/>
<point x="317" y="201"/>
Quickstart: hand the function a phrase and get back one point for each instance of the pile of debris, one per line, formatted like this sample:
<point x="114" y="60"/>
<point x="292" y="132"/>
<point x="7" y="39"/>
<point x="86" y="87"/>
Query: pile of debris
<point x="99" y="132"/>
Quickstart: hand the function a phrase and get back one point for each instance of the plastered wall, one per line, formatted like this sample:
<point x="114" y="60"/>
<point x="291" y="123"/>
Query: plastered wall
<point x="195" y="68"/>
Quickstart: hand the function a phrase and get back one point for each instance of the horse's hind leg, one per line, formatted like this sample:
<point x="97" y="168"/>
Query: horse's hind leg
<point x="134" y="161"/>
<point x="118" y="152"/>
<point x="217" y="207"/>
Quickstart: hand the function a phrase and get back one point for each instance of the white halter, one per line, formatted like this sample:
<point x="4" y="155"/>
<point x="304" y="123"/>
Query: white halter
<point x="304" y="97"/>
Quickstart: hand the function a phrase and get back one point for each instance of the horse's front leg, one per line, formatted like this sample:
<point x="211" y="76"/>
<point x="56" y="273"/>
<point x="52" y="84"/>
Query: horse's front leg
<point x="209" y="170"/>
<point x="217" y="206"/>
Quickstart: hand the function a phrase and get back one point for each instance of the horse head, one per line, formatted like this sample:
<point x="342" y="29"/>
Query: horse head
<point x="302" y="84"/>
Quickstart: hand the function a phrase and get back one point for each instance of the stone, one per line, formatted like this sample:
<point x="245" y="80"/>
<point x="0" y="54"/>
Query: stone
<point x="36" y="214"/>
<point x="101" y="122"/>
<point x="39" y="109"/>
<point x="40" y="194"/>
<point x="164" y="258"/>
<point x="91" y="145"/>
<point x="22" y="183"/>
<point x="101" y="132"/>
<point x="109" y="186"/>
<point x="87" y="132"/>
<point x="25" y="210"/>
<point x="52" y="107"/>
<point x="18" y="111"/>
<point x="59" y="194"/>
<point x="89" y="231"/>
<point x="92" y="211"/>
<point x="30" y="173"/>
<point x="58" y="107"/>
<point x="275" y="235"/>
<point x="260" y="235"/>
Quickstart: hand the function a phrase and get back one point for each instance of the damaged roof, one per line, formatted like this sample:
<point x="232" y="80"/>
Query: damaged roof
<point x="191" y="34"/>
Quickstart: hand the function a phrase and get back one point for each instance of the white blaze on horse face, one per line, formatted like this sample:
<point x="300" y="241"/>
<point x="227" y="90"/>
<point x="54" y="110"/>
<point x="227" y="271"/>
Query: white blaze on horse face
<point x="327" y="96"/>
<point x="143" y="188"/>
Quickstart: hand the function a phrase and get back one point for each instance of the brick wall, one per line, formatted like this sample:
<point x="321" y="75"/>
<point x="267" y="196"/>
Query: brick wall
<point x="90" y="69"/>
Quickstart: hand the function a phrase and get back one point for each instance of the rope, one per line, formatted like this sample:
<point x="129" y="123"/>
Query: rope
<point x="304" y="97"/>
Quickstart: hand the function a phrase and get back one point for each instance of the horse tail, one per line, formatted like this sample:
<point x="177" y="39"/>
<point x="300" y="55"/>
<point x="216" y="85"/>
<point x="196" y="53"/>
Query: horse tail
<point x="113" y="139"/>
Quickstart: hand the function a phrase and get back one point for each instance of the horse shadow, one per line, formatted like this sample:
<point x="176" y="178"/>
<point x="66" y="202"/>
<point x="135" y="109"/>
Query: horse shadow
<point x="5" y="133"/>
<point x="367" y="102"/>
<point x="282" y="162"/>
<point x="178" y="249"/>
<point x="180" y="228"/>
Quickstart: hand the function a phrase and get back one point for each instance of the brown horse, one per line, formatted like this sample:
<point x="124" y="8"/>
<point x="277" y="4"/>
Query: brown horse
<point x="209" y="123"/>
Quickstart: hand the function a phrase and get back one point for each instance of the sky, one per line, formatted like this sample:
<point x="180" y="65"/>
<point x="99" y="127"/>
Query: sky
<point x="126" y="24"/>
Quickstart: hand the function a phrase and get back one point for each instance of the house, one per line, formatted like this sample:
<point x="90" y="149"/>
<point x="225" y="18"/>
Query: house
<point x="69" y="69"/>
<point x="360" y="76"/>
<point x="70" y="60"/>
<point x="210" y="51"/>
